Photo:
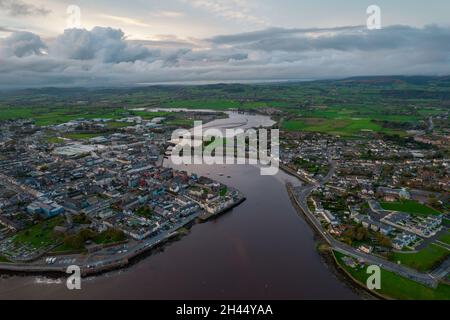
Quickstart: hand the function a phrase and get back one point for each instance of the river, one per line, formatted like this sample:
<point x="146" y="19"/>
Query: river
<point x="261" y="249"/>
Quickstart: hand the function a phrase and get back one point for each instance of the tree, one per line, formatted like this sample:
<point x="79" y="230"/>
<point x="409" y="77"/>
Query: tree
<point x="433" y="202"/>
<point x="74" y="241"/>
<point x="361" y="234"/>
<point x="384" y="241"/>
<point x="87" y="234"/>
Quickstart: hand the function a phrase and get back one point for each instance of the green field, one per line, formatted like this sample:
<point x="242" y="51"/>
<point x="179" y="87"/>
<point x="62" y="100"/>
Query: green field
<point x="180" y="123"/>
<point x="336" y="126"/>
<point x="445" y="238"/>
<point x="117" y="125"/>
<point x="397" y="287"/>
<point x="57" y="115"/>
<point x="64" y="248"/>
<point x="40" y="235"/>
<point x="424" y="260"/>
<point x="345" y="107"/>
<point x="82" y="136"/>
<point x="410" y="206"/>
<point x="149" y="115"/>
<point x="204" y="104"/>
<point x="55" y="140"/>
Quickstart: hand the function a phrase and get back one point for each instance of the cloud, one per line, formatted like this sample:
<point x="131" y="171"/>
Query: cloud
<point x="125" y="20"/>
<point x="22" y="44"/>
<point x="104" y="57"/>
<point x="278" y="33"/>
<point x="340" y="39"/>
<point x="238" y="10"/>
<point x="167" y="14"/>
<point x="21" y="8"/>
<point x="5" y="29"/>
<point x="105" y="45"/>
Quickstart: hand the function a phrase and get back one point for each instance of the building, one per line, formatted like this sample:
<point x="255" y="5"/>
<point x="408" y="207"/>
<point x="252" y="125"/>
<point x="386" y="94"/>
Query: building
<point x="403" y="240"/>
<point x="365" y="249"/>
<point x="328" y="217"/>
<point x="45" y="207"/>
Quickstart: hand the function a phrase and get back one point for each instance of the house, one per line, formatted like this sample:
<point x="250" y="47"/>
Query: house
<point x="45" y="207"/>
<point x="365" y="249"/>
<point x="403" y="240"/>
<point x="328" y="216"/>
<point x="386" y="229"/>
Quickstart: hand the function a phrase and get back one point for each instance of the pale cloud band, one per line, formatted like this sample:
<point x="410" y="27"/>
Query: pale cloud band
<point x="104" y="57"/>
<point x="20" y="8"/>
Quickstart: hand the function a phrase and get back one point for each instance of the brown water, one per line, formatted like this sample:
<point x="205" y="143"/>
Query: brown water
<point x="260" y="250"/>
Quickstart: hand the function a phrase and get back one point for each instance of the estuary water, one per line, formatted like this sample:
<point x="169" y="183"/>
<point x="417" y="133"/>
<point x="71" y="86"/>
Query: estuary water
<point x="261" y="249"/>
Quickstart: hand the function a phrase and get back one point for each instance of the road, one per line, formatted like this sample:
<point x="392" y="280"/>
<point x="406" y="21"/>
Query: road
<point x="301" y="198"/>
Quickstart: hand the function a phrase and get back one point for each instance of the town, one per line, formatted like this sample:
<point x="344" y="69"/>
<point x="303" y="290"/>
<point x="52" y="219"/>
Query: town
<point x="95" y="200"/>
<point x="376" y="198"/>
<point x="94" y="185"/>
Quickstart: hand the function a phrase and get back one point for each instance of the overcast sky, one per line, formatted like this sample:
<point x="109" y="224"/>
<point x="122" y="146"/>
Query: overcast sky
<point x="151" y="41"/>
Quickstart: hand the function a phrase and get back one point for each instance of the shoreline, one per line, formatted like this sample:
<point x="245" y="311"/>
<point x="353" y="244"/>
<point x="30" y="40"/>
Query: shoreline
<point x="329" y="257"/>
<point x="56" y="272"/>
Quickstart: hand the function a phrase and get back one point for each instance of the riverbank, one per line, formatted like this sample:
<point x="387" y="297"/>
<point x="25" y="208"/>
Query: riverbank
<point x="327" y="253"/>
<point x="207" y="217"/>
<point x="393" y="283"/>
<point x="123" y="261"/>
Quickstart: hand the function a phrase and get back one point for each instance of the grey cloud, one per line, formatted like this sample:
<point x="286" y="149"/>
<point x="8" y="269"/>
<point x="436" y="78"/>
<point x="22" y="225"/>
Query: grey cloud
<point x="104" y="44"/>
<point x="103" y="56"/>
<point x="271" y="33"/>
<point x="21" y="44"/>
<point x="342" y="39"/>
<point x="5" y="29"/>
<point x="21" y="8"/>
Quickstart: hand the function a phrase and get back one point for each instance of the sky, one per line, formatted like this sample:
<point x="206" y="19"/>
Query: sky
<point x="136" y="42"/>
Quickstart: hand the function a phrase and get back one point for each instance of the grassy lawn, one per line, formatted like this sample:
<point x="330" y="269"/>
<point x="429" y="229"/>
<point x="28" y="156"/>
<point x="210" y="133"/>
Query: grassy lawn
<point x="40" y="235"/>
<point x="149" y="115"/>
<point x="82" y="136"/>
<point x="110" y="236"/>
<point x="180" y="123"/>
<point x="445" y="238"/>
<point x="55" y="140"/>
<point x="397" y="287"/>
<point x="117" y="125"/>
<point x="336" y="126"/>
<point x="66" y="248"/>
<point x="424" y="260"/>
<point x="410" y="206"/>
<point x="145" y="212"/>
<point x="223" y="191"/>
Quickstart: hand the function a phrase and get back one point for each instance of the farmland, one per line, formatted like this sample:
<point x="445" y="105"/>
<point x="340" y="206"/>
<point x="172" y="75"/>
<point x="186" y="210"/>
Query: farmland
<point x="349" y="107"/>
<point x="411" y="207"/>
